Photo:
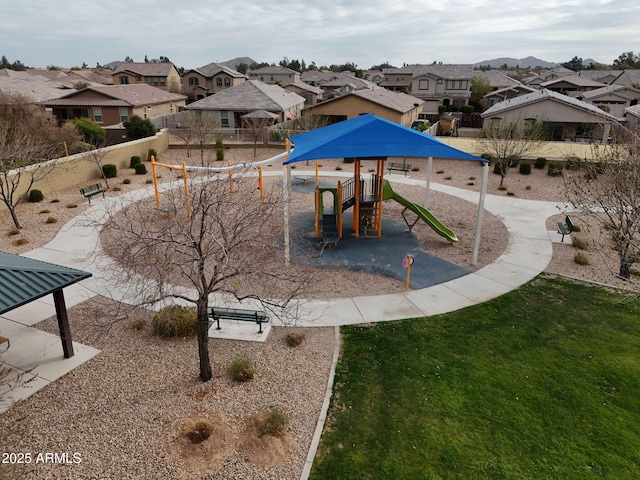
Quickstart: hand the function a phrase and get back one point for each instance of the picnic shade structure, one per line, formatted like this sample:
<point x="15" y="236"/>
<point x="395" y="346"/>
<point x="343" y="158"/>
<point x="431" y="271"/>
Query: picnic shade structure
<point x="371" y="137"/>
<point x="23" y="280"/>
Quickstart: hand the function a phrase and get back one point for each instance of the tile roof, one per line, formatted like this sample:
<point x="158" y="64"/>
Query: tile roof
<point x="400" y="102"/>
<point x="542" y="95"/>
<point x="574" y="80"/>
<point x="248" y="96"/>
<point x="608" y="89"/>
<point x="118" y="95"/>
<point x="212" y="69"/>
<point x="275" y="69"/>
<point x="151" y="69"/>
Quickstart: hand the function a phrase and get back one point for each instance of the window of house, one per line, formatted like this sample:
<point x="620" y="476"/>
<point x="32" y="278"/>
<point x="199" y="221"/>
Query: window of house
<point x="144" y="112"/>
<point x="218" y="82"/>
<point x="97" y="114"/>
<point x="156" y="81"/>
<point x="227" y="82"/>
<point x="124" y="114"/>
<point x="224" y="118"/>
<point x="123" y="80"/>
<point x="262" y="78"/>
<point x="272" y="79"/>
<point x="423" y="84"/>
<point x="194" y="81"/>
<point x="457" y="84"/>
<point x="584" y="130"/>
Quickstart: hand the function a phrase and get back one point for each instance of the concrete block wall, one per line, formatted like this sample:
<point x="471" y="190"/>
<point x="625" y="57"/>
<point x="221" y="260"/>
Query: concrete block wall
<point x="81" y="170"/>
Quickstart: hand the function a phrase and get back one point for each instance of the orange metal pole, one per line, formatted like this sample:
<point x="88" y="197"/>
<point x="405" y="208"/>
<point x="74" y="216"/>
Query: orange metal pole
<point x="186" y="190"/>
<point x="155" y="180"/>
<point x="317" y="179"/>
<point x="260" y="184"/>
<point x="318" y="206"/>
<point x="339" y="203"/>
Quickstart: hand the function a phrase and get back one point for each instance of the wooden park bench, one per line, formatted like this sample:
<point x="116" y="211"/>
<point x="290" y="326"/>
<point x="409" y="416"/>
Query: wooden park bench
<point x="92" y="191"/>
<point x="401" y="167"/>
<point x="236" y="314"/>
<point x="565" y="228"/>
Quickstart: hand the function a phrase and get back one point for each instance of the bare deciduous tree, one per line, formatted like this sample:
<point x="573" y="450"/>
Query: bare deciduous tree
<point x="609" y="191"/>
<point x="508" y="142"/>
<point x="29" y="139"/>
<point x="230" y="249"/>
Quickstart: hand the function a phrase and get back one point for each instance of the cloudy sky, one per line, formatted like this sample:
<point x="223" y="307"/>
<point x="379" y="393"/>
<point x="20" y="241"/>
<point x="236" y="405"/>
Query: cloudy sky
<point x="67" y="33"/>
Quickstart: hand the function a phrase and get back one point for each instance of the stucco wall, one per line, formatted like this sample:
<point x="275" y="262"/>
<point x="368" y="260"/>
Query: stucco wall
<point x="81" y="170"/>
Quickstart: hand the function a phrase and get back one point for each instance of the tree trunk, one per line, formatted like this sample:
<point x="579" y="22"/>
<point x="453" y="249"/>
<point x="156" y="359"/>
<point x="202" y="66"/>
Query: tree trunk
<point x="14" y="217"/>
<point x="625" y="268"/>
<point x="203" y="342"/>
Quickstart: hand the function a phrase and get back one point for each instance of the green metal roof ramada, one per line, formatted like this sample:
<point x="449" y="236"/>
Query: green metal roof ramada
<point x="23" y="280"/>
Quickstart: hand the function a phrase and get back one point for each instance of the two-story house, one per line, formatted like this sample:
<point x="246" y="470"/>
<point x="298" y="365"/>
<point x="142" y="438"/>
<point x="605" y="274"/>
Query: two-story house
<point x="572" y="85"/>
<point x="446" y="85"/>
<point x="161" y="75"/>
<point x="208" y="80"/>
<point x="275" y="74"/>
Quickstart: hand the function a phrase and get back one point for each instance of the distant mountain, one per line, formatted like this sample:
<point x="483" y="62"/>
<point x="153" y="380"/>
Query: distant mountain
<point x="233" y="63"/>
<point x="528" y="62"/>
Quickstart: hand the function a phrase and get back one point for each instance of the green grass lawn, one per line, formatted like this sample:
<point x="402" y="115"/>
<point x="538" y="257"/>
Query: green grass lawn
<point x="541" y="383"/>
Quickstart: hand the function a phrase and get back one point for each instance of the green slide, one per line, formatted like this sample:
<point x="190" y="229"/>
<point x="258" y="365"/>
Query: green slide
<point x="423" y="213"/>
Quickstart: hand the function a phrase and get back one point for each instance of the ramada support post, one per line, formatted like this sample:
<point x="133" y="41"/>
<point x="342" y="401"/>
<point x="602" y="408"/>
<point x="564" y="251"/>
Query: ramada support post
<point x="63" y="323"/>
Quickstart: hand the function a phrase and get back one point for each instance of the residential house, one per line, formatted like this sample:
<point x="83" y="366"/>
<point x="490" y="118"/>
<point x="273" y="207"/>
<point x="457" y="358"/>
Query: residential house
<point x="629" y="77"/>
<point x="311" y="94"/>
<point x="503" y="94"/>
<point x="345" y="85"/>
<point x="447" y="85"/>
<point x="632" y="115"/>
<point x="572" y="85"/>
<point x="317" y="78"/>
<point x="375" y="76"/>
<point x="33" y="87"/>
<point x="394" y="106"/>
<point x="161" y="75"/>
<point x="229" y="106"/>
<point x="537" y="79"/>
<point x="497" y="80"/>
<point x="613" y="99"/>
<point x="208" y="80"/>
<point x="114" y="104"/>
<point x="603" y="76"/>
<point x="566" y="118"/>
<point x="398" y="79"/>
<point x="275" y="74"/>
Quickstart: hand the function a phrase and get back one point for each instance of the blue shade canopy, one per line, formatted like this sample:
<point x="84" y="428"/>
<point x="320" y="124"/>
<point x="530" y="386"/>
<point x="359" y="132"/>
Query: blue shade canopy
<point x="368" y="136"/>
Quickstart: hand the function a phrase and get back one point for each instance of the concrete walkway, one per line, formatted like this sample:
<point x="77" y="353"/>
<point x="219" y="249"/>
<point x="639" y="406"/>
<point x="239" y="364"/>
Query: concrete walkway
<point x="528" y="253"/>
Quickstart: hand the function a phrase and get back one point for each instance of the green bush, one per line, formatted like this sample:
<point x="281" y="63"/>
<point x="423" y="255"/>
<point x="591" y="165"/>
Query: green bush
<point x="219" y="150"/>
<point x="486" y="156"/>
<point x="442" y="108"/>
<point x="141" y="169"/>
<point x="135" y="160"/>
<point x="579" y="243"/>
<point x="573" y="163"/>
<point x="467" y="109"/>
<point x="554" y="169"/>
<point x="241" y="370"/>
<point x="525" y="168"/>
<point x="274" y="424"/>
<point x="540" y="163"/>
<point x="152" y="153"/>
<point x="497" y="168"/>
<point x="348" y="160"/>
<point x="35" y="196"/>
<point x="294" y="338"/>
<point x="126" y="181"/>
<point x="175" y="321"/>
<point x="109" y="170"/>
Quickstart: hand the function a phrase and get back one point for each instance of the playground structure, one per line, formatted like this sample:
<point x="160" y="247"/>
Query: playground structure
<point x="366" y="197"/>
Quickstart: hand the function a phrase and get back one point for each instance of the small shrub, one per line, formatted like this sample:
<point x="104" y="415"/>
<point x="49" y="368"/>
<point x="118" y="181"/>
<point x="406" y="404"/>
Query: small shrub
<point x="581" y="259"/>
<point x="448" y="177"/>
<point x="135" y="160"/>
<point x="35" y="196"/>
<point x="293" y="167"/>
<point x="72" y="205"/>
<point x="576" y="228"/>
<point x="338" y="167"/>
<point x="440" y="171"/>
<point x="149" y="181"/>
<point x="470" y="183"/>
<point x="573" y="163"/>
<point x="590" y="171"/>
<point x="175" y="321"/>
<point x="487" y="156"/>
<point x="415" y="169"/>
<point x="219" y="150"/>
<point x="55" y="200"/>
<point x="579" y="243"/>
<point x="141" y="169"/>
<point x="294" y="338"/>
<point x="274" y="424"/>
<point x="110" y="170"/>
<point x="497" y="168"/>
<point x="126" y="181"/>
<point x="45" y="210"/>
<point x="528" y="187"/>
<point x="554" y="169"/>
<point x="20" y="241"/>
<point x="138" y="324"/>
<point x="525" y="168"/>
<point x="601" y="167"/>
<point x="115" y="189"/>
<point x="510" y="193"/>
<point x="198" y="431"/>
<point x="241" y="370"/>
<point x="152" y="152"/>
<point x="540" y="163"/>
<point x="472" y="178"/>
<point x="52" y="220"/>
<point x="348" y="160"/>
<point x="467" y="109"/>
<point x="502" y="188"/>
<point x="13" y="231"/>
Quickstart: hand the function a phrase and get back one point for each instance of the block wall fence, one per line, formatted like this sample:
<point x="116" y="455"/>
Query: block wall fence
<point x="81" y="170"/>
